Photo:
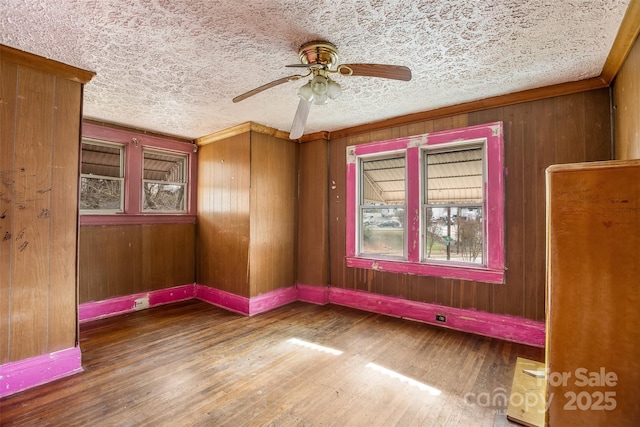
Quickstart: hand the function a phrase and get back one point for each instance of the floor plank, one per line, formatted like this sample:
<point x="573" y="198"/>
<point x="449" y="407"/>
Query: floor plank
<point x="193" y="364"/>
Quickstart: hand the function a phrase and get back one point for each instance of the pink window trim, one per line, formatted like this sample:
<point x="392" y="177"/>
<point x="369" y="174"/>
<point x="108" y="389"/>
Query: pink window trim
<point x="494" y="190"/>
<point x="133" y="175"/>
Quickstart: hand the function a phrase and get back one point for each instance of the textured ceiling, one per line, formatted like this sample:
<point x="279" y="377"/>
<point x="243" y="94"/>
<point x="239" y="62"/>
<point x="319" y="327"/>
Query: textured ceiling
<point x="173" y="66"/>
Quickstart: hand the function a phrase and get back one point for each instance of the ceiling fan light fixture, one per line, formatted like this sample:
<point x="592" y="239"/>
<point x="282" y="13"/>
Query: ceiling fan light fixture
<point x="321" y="99"/>
<point x="319" y="85"/>
<point x="334" y="89"/>
<point x="305" y="92"/>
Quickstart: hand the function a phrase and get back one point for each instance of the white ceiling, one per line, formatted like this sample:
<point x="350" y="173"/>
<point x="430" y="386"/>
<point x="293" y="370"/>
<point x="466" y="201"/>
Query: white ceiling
<point x="173" y="66"/>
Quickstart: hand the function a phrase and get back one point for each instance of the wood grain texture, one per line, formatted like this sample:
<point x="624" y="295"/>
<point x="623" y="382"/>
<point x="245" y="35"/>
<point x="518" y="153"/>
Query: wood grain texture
<point x="313" y="214"/>
<point x="537" y="134"/>
<point x="593" y="236"/>
<point x="223" y="214"/>
<point x="128" y="259"/>
<point x="626" y="99"/>
<point x="202" y="365"/>
<point x="63" y="299"/>
<point x="274" y="180"/>
<point x="31" y="204"/>
<point x="8" y="79"/>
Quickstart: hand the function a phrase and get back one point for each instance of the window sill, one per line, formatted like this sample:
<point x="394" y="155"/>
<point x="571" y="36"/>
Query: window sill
<point x="480" y="274"/>
<point x="136" y="219"/>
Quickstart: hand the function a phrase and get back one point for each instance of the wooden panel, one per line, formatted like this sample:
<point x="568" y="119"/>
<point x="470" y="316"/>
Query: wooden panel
<point x="110" y="261"/>
<point x="168" y="256"/>
<point x="31" y="205"/>
<point x="313" y="214"/>
<point x="272" y="249"/>
<point x="593" y="294"/>
<point x="223" y="215"/>
<point x="64" y="216"/>
<point x="626" y="99"/>
<point x="8" y="78"/>
<point x="537" y="134"/>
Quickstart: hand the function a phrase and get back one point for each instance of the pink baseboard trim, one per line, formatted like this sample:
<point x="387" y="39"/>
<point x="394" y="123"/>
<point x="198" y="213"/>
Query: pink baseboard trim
<point x="313" y="294"/>
<point x="509" y="328"/>
<point x="126" y="304"/>
<point x="223" y="299"/>
<point x="273" y="299"/>
<point x="27" y="373"/>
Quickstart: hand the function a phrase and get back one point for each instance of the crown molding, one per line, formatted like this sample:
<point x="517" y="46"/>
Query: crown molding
<point x="56" y="68"/>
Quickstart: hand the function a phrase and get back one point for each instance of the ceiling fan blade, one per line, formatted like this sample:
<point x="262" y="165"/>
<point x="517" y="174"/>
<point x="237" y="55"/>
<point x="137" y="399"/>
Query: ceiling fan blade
<point x="300" y="119"/>
<point x="396" y="72"/>
<point x="265" y="87"/>
<point x="299" y="65"/>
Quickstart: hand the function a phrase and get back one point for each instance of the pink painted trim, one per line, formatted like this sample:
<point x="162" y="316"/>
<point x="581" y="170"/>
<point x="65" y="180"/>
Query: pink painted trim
<point x="146" y="219"/>
<point x="413" y="205"/>
<point x="509" y="328"/>
<point x="223" y="299"/>
<point x="351" y="210"/>
<point x="448" y="271"/>
<point x="494" y="193"/>
<point x="313" y="294"/>
<point x="133" y="167"/>
<point x="273" y="299"/>
<point x="35" y="371"/>
<point x="126" y="304"/>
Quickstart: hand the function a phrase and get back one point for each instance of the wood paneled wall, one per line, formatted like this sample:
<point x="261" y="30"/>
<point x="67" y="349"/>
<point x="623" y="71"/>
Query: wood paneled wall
<point x="119" y="260"/>
<point x="571" y="128"/>
<point x="274" y="186"/>
<point x="626" y="101"/>
<point x="247" y="207"/>
<point x="39" y="141"/>
<point x="313" y="225"/>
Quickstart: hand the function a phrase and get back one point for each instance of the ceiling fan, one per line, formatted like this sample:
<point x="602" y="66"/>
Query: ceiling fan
<point x="319" y="57"/>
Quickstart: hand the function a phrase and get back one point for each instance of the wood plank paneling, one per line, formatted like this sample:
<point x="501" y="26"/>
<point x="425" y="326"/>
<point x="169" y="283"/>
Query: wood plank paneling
<point x="626" y="99"/>
<point x="8" y="79"/>
<point x="313" y="214"/>
<point x="537" y="134"/>
<point x="64" y="216"/>
<point x="128" y="259"/>
<point x="31" y="205"/>
<point x="223" y="214"/>
<point x="272" y="249"/>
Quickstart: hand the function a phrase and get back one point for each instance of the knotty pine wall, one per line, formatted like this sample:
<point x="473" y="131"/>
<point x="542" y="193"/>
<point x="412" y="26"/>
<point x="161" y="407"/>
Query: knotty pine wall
<point x="119" y="260"/>
<point x="247" y="209"/>
<point x="571" y="128"/>
<point x="626" y="99"/>
<point x="39" y="150"/>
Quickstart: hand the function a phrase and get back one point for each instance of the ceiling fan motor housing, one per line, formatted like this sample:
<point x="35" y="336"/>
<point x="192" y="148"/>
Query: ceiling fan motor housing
<point x="319" y="52"/>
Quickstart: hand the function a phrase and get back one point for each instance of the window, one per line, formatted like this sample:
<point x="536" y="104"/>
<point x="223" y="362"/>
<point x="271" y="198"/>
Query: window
<point x="430" y="204"/>
<point x="102" y="177"/>
<point x="130" y="177"/>
<point x="164" y="181"/>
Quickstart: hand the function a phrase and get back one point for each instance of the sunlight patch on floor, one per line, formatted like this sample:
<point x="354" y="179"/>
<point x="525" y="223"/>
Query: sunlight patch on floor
<point x="393" y="374"/>
<point x="313" y="346"/>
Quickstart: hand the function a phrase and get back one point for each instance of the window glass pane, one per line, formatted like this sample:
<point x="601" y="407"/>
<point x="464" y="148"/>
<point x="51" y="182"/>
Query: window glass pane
<point x="101" y="179"/>
<point x="454" y="234"/>
<point x="383" y="181"/>
<point x="382" y="231"/>
<point x="164" y="167"/>
<point x="454" y="177"/>
<point x="100" y="193"/>
<point x="163" y="197"/>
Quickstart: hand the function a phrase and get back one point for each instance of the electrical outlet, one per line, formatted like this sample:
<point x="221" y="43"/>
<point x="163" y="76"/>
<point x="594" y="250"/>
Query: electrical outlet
<point x="441" y="318"/>
<point x="141" y="303"/>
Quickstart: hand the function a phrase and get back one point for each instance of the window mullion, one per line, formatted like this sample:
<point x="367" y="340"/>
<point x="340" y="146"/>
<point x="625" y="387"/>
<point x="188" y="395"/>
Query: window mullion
<point x="412" y="225"/>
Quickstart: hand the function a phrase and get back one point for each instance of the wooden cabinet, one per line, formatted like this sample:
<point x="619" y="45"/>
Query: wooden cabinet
<point x="593" y="294"/>
<point x="40" y="113"/>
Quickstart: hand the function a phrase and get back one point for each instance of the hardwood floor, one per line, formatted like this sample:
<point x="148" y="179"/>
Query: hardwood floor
<point x="193" y="364"/>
